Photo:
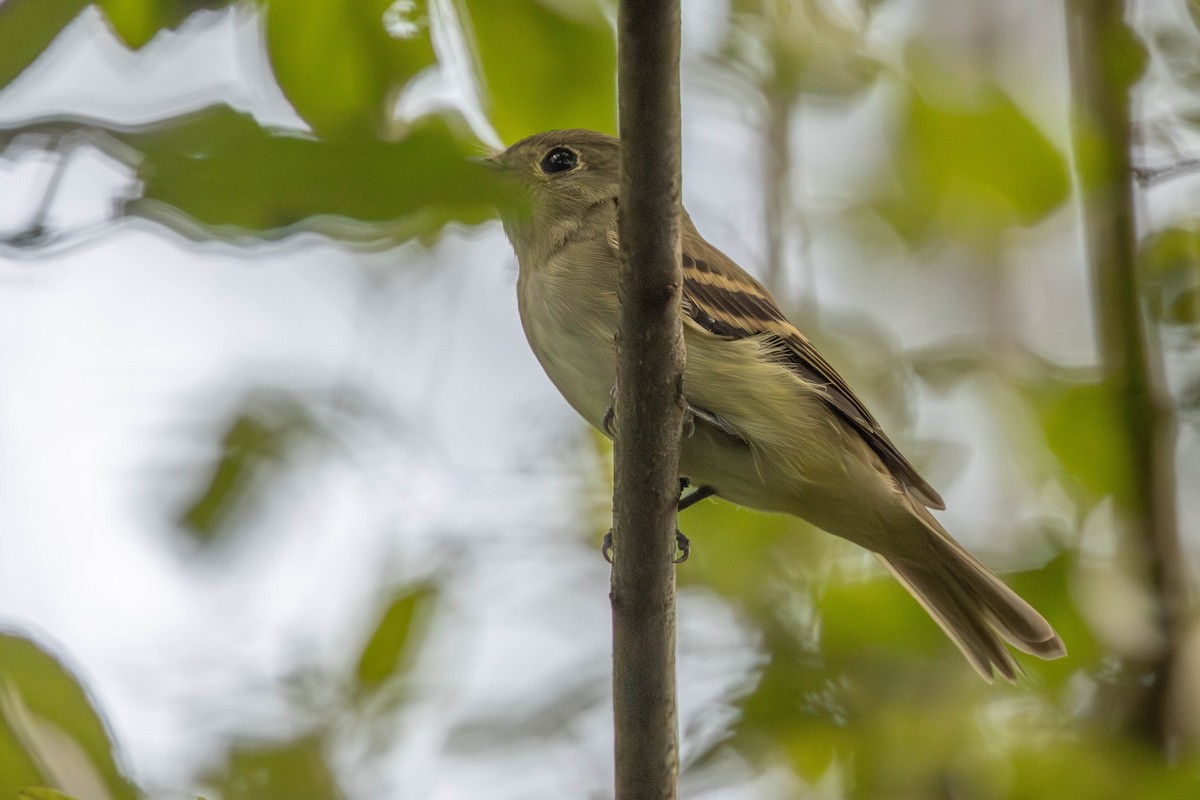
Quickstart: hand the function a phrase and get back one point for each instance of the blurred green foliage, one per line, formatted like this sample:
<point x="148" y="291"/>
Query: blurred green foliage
<point x="393" y="645"/>
<point x="1170" y="272"/>
<point x="855" y="680"/>
<point x="562" y="74"/>
<point x="50" y="735"/>
<point x="260" y="439"/>
<point x="278" y="771"/>
<point x="27" y="27"/>
<point x="340" y="63"/>
<point x="42" y="793"/>
<point x="971" y="169"/>
<point x="136" y="22"/>
<point x="807" y="47"/>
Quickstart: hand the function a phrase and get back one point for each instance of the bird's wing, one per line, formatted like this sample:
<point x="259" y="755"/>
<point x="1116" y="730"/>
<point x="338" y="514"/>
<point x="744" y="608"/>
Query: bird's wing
<point x="722" y="298"/>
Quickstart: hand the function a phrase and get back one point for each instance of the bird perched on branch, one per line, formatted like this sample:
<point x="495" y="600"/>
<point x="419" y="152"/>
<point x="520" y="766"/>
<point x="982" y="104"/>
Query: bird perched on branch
<point x="770" y="424"/>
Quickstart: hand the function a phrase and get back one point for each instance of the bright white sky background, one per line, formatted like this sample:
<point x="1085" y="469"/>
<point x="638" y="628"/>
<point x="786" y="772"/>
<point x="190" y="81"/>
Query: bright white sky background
<point x="120" y="358"/>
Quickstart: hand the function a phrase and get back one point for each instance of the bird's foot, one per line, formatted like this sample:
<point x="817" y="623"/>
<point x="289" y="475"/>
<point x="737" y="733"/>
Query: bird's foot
<point x="681" y="544"/>
<point x="609" y="423"/>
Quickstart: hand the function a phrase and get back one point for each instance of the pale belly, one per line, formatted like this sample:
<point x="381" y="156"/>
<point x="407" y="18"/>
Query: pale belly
<point x="581" y="362"/>
<point x="579" y="357"/>
<point x="792" y="455"/>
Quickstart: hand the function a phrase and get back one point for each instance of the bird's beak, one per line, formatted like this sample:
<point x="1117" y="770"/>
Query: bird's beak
<point x="491" y="160"/>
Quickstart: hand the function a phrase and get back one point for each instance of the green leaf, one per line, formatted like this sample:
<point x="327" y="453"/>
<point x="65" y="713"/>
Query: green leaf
<point x="283" y="182"/>
<point x="136" y="22"/>
<point x="42" y="793"/>
<point x="899" y="629"/>
<point x="283" y="771"/>
<point x="1185" y="308"/>
<point x="27" y="27"/>
<point x="258" y="440"/>
<point x="561" y="75"/>
<point x="1085" y="428"/>
<point x="797" y="48"/>
<point x="49" y="731"/>
<point x="340" y="62"/>
<point x="391" y="647"/>
<point x="217" y="174"/>
<point x="974" y="169"/>
<point x="1169" y="265"/>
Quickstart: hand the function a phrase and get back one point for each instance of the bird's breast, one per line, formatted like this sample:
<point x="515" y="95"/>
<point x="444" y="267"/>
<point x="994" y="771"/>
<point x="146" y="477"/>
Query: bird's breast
<point x="570" y="320"/>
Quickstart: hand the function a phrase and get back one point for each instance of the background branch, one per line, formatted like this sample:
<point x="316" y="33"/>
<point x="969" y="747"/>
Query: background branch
<point x="649" y="402"/>
<point x="1104" y="64"/>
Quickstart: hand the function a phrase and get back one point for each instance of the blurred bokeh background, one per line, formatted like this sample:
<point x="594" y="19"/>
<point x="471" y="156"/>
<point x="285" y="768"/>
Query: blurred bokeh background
<point x="288" y="510"/>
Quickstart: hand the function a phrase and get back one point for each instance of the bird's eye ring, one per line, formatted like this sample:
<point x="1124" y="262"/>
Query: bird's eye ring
<point x="560" y="159"/>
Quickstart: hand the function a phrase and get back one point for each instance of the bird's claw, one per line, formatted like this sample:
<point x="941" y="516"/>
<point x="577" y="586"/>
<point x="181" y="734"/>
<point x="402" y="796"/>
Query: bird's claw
<point x="681" y="544"/>
<point x="610" y="414"/>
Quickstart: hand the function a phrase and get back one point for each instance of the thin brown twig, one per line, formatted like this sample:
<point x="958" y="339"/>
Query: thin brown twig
<point x="649" y="402"/>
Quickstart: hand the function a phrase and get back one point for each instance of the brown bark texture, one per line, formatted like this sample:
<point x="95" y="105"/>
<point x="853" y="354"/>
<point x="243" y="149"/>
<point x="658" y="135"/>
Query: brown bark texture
<point x="649" y="402"/>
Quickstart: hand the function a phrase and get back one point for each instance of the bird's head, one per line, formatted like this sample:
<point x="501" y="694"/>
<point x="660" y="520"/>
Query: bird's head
<point x="563" y="174"/>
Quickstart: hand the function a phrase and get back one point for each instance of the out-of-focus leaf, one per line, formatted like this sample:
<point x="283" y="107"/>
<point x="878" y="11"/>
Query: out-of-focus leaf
<point x="284" y="771"/>
<point x="899" y="628"/>
<point x="1171" y="251"/>
<point x="1169" y="263"/>
<point x="224" y="171"/>
<point x="258" y="439"/>
<point x="26" y="29"/>
<point x="49" y="731"/>
<point x="1093" y="764"/>
<point x="735" y="550"/>
<point x="396" y="638"/>
<point x="217" y="173"/>
<point x="972" y="170"/>
<point x="803" y="47"/>
<point x="340" y="61"/>
<point x="42" y="793"/>
<point x="1185" y="308"/>
<point x="1084" y="428"/>
<point x="542" y="67"/>
<point x="1124" y="56"/>
<point x="136" y="22"/>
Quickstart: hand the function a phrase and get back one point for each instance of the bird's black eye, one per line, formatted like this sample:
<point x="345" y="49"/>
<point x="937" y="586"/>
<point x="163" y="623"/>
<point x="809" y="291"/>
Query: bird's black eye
<point x="560" y="159"/>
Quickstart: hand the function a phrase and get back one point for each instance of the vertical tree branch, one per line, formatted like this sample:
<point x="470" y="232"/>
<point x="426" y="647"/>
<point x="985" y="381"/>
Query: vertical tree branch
<point x="1101" y="51"/>
<point x="649" y="402"/>
<point x="777" y="183"/>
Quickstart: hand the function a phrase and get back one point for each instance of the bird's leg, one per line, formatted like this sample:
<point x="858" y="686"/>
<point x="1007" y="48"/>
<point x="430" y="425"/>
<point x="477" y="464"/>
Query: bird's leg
<point x="685" y="502"/>
<point x="681" y="544"/>
<point x="699" y="494"/>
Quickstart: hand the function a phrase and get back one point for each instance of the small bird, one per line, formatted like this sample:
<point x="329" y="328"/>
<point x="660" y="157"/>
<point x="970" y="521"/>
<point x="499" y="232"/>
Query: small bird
<point x="771" y="425"/>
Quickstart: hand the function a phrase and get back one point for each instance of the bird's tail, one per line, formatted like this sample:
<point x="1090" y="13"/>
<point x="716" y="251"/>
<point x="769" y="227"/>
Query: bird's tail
<point x="974" y="607"/>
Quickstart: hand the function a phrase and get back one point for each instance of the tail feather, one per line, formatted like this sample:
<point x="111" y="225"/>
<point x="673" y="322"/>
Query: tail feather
<point x="974" y="607"/>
